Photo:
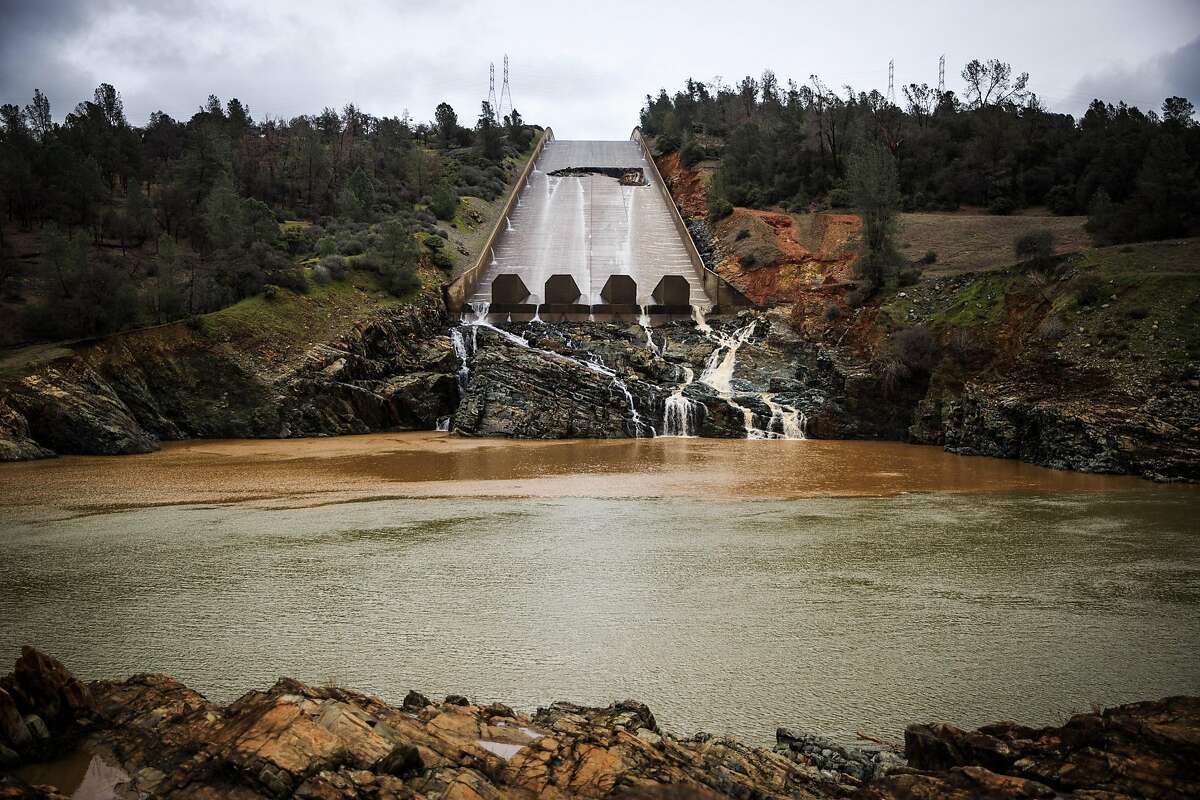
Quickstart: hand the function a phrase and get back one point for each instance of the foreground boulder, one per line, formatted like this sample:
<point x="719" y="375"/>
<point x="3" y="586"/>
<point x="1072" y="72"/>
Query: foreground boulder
<point x="151" y="736"/>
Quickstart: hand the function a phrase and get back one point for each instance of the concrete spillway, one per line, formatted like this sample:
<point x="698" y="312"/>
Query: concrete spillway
<point x="604" y="214"/>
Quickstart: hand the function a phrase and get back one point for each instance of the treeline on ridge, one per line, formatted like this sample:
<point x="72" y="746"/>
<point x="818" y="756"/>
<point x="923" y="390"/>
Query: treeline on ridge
<point x="1135" y="173"/>
<point x="125" y="225"/>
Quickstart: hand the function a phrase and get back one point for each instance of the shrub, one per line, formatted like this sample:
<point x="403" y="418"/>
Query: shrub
<point x="441" y="260"/>
<point x="435" y="242"/>
<point x="1088" y="291"/>
<point x="744" y="233"/>
<point x="327" y="246"/>
<point x="908" y="277"/>
<point x="930" y="257"/>
<point x="1061" y="200"/>
<point x="965" y="347"/>
<point x="832" y="312"/>
<point x="270" y="291"/>
<point x="719" y="208"/>
<point x="1002" y="206"/>
<point x="1051" y="329"/>
<point x="321" y="275"/>
<point x="336" y="267"/>
<point x="400" y="280"/>
<point x="839" y="198"/>
<point x="1034" y="245"/>
<point x="351" y="247"/>
<point x="917" y="348"/>
<point x="1137" y="312"/>
<point x="291" y="278"/>
<point x="860" y="294"/>
<point x="749" y="261"/>
<point x="691" y="153"/>
<point x="444" y="202"/>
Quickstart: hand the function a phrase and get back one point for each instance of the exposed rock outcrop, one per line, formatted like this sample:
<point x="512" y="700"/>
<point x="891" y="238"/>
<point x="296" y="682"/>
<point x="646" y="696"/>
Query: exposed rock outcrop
<point x="394" y="370"/>
<point x="161" y="739"/>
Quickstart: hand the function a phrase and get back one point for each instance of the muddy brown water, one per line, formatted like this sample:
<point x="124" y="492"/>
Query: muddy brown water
<point x="732" y="585"/>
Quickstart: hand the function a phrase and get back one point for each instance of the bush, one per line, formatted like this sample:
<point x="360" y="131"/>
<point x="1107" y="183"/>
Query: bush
<point x="930" y="257"/>
<point x="917" y="348"/>
<point x="839" y="198"/>
<point x="1034" y="245"/>
<point x="749" y="261"/>
<point x="719" y="208"/>
<point x="1061" y="200"/>
<point x="860" y="294"/>
<point x="321" y="275"/>
<point x="908" y="277"/>
<point x="691" y="153"/>
<point x="335" y="266"/>
<point x="1137" y="312"/>
<point x="444" y="202"/>
<point x="327" y="246"/>
<point x="270" y="291"/>
<point x="832" y="312"/>
<point x="435" y="242"/>
<point x="1088" y="291"/>
<point x="744" y="233"/>
<point x="441" y="260"/>
<point x="1002" y="206"/>
<point x="351" y="247"/>
<point x="400" y="281"/>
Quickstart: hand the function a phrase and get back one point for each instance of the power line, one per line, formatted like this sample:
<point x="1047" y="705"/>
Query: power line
<point x="505" y="92"/>
<point x="492" y="87"/>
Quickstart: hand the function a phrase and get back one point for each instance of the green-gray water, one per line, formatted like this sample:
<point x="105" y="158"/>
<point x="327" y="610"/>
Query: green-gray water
<point x="834" y="614"/>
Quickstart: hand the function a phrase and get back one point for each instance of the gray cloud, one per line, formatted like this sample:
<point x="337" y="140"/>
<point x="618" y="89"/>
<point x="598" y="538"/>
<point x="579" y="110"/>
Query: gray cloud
<point x="1147" y="84"/>
<point x="583" y="68"/>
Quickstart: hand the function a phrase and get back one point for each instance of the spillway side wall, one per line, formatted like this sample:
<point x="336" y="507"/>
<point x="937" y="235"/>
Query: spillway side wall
<point x="456" y="292"/>
<point x="716" y="287"/>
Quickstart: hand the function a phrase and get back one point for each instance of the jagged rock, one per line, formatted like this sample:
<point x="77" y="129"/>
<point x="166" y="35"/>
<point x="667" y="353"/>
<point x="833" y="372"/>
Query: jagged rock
<point x="41" y="685"/>
<point x="125" y="393"/>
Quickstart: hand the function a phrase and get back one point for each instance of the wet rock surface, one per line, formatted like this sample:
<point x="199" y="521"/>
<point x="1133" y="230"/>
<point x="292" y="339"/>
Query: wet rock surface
<point x="295" y="740"/>
<point x="127" y="393"/>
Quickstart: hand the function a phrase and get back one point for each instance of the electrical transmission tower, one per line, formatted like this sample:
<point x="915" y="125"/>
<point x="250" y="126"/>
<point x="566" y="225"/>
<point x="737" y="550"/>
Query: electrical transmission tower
<point x="505" y="93"/>
<point x="891" y="93"/>
<point x="492" y="88"/>
<point x="941" y="76"/>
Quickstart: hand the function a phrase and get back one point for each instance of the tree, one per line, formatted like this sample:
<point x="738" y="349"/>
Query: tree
<point x="874" y="189"/>
<point x="447" y="123"/>
<point x="992" y="83"/>
<point x="400" y="254"/>
<point x="37" y="114"/>
<point x="444" y="203"/>
<point x="223" y="217"/>
<point x="490" y="143"/>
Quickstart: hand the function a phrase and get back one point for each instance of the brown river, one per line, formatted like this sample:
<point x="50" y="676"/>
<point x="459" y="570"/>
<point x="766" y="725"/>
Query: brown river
<point x="734" y="586"/>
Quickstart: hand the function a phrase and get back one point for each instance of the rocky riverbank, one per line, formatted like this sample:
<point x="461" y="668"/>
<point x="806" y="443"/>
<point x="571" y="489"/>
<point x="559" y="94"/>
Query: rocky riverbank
<point x="980" y="365"/>
<point x="393" y="369"/>
<point x="151" y="736"/>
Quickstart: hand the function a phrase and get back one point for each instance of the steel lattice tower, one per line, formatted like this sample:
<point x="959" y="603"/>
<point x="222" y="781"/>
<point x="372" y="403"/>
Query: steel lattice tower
<point x="505" y="93"/>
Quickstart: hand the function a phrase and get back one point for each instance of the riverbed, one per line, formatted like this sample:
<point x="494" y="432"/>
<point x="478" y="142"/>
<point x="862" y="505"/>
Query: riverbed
<point x="734" y="586"/>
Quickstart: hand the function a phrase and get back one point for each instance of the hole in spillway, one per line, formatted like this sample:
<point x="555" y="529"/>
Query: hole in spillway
<point x="626" y="176"/>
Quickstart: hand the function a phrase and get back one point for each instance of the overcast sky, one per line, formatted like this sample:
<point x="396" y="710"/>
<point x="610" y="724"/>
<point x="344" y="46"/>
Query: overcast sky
<point x="582" y="70"/>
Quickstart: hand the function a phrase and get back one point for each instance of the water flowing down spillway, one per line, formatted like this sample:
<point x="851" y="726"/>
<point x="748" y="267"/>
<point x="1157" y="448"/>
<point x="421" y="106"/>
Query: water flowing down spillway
<point x="590" y="226"/>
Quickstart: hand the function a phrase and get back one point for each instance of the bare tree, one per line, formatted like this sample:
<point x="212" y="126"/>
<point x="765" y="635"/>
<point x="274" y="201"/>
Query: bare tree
<point x="991" y="83"/>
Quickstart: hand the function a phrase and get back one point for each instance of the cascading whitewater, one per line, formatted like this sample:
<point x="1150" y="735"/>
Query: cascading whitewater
<point x="644" y="321"/>
<point x="718" y="373"/>
<point x="679" y="412"/>
<point x="479" y="320"/>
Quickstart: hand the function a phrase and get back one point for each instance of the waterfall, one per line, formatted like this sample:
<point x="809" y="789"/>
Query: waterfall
<point x="640" y="428"/>
<point x="508" y="224"/>
<point x="537" y="314"/>
<point x="785" y="423"/>
<point x="679" y="412"/>
<point x="460" y="350"/>
<point x="644" y="321"/>
<point x="443" y="425"/>
<point x="718" y="372"/>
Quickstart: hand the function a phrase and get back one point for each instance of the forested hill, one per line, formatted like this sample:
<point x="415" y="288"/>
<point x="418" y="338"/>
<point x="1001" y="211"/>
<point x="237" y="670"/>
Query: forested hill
<point x="1135" y="172"/>
<point x="109" y="225"/>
